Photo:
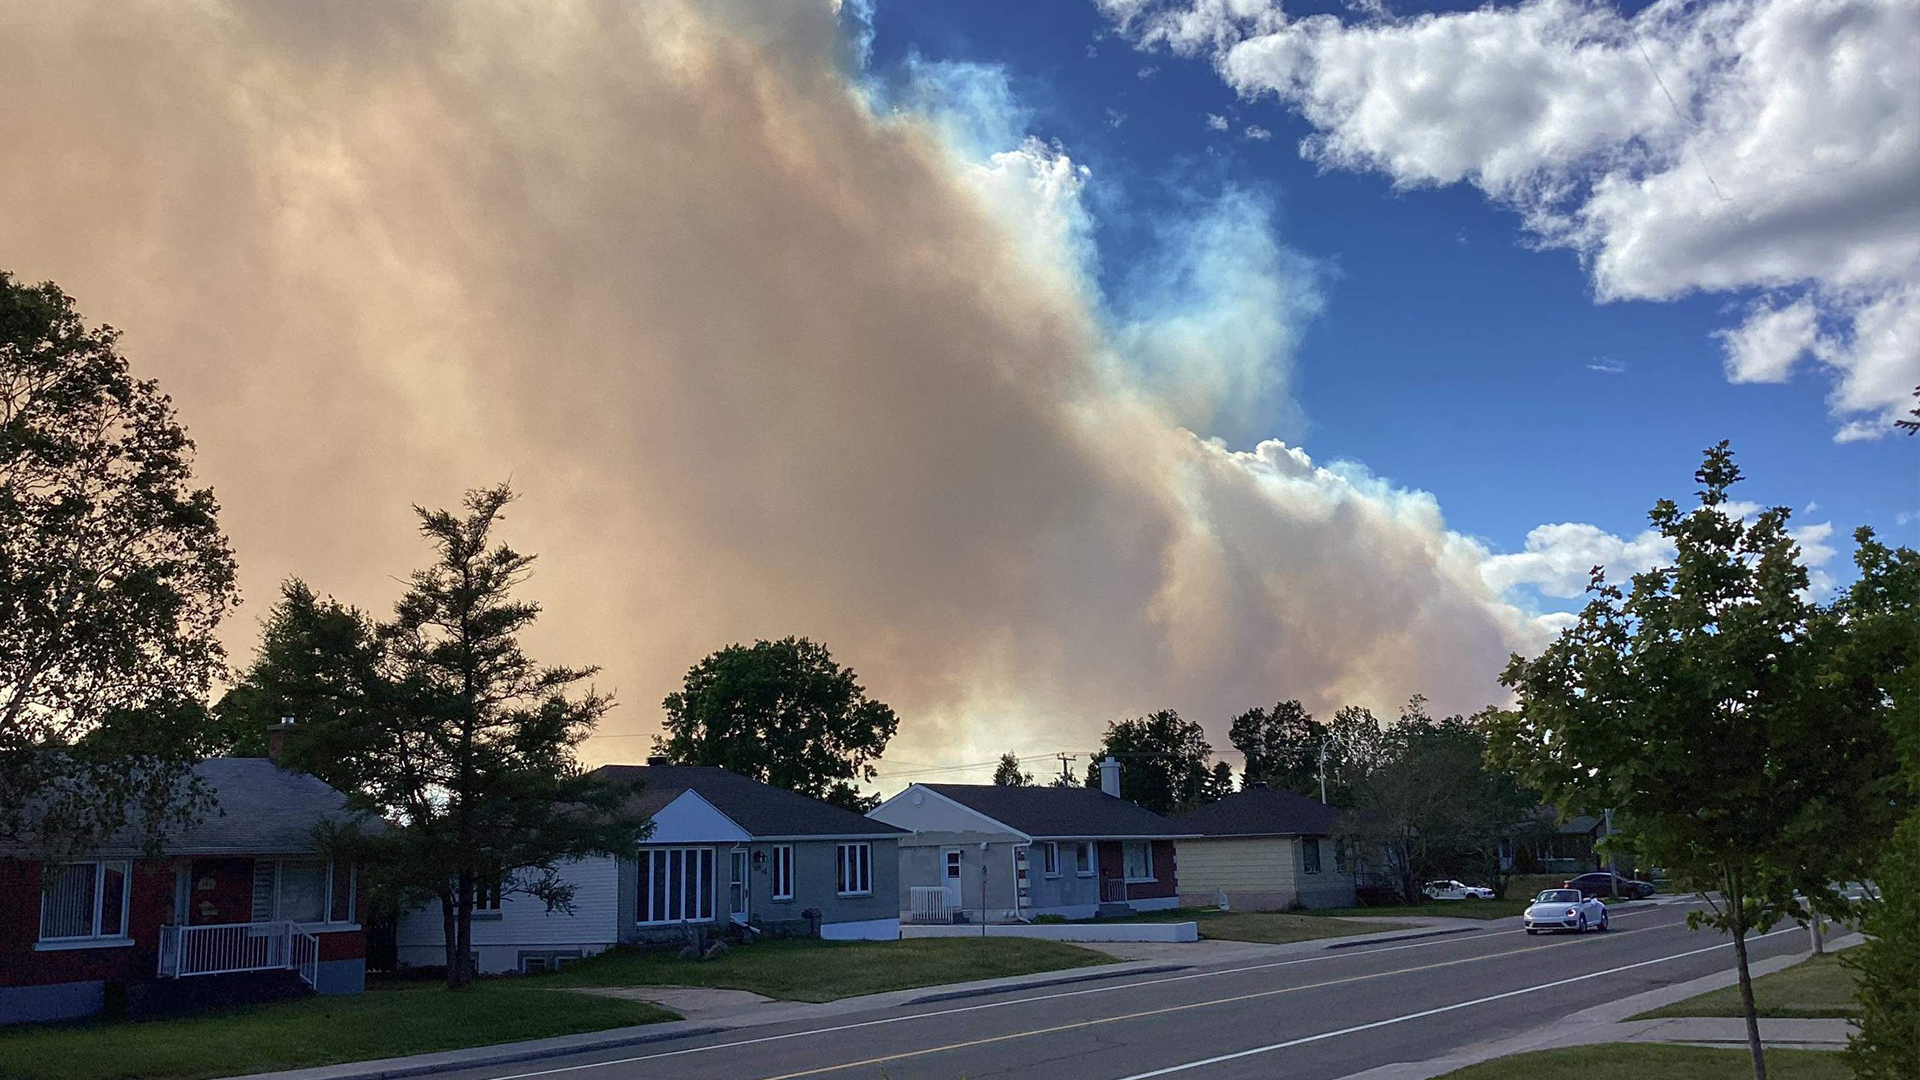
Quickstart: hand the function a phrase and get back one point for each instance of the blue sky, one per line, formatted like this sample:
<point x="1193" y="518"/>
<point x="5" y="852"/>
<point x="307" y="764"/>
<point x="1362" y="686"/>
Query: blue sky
<point x="1454" y="353"/>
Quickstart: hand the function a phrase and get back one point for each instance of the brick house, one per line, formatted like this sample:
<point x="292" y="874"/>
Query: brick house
<point x="239" y="906"/>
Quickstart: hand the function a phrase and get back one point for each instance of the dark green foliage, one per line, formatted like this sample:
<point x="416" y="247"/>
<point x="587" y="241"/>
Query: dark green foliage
<point x="442" y="724"/>
<point x="1163" y="761"/>
<point x="1008" y="774"/>
<point x="114" y="577"/>
<point x="782" y="712"/>
<point x="1723" y="713"/>
<point x="1279" y="747"/>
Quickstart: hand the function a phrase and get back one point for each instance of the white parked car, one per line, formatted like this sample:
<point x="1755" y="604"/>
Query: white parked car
<point x="1564" y="909"/>
<point x="1454" y="890"/>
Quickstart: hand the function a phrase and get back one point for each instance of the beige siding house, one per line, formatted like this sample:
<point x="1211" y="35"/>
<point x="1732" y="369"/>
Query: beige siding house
<point x="1261" y="850"/>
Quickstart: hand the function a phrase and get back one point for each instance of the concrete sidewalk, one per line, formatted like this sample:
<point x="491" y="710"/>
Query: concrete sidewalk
<point x="1609" y="1023"/>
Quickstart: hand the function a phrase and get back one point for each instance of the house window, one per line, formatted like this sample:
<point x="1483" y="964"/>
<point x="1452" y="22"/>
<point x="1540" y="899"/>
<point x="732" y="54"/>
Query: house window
<point x="1083" y="858"/>
<point x="676" y="885"/>
<point x="87" y="900"/>
<point x="783" y="871"/>
<point x="1139" y="860"/>
<point x="1340" y="856"/>
<point x="486" y="891"/>
<point x="302" y="891"/>
<point x="1310" y="854"/>
<point x="1050" y="859"/>
<point x="855" y="865"/>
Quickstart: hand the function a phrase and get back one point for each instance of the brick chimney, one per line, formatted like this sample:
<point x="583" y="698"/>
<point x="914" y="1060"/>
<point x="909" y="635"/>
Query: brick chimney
<point x="1110" y="776"/>
<point x="277" y="738"/>
<point x="657" y="759"/>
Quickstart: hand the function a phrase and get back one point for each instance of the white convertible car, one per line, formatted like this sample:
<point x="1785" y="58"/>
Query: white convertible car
<point x="1564" y="909"/>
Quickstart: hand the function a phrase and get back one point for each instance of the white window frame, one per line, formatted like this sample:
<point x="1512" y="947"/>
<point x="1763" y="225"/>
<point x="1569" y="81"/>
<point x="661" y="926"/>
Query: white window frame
<point x="1146" y="848"/>
<point x="1086" y="861"/>
<point x="781" y="867"/>
<point x="97" y="932"/>
<point x="332" y="880"/>
<point x="702" y="908"/>
<point x="1050" y="859"/>
<point x="853" y="869"/>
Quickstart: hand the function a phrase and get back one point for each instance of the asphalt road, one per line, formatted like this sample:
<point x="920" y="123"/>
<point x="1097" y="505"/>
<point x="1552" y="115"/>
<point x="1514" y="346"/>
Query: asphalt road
<point x="1313" y="1016"/>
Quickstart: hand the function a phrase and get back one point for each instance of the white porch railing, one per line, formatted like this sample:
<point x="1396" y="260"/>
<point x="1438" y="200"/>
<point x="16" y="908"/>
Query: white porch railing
<point x="231" y="947"/>
<point x="931" y="904"/>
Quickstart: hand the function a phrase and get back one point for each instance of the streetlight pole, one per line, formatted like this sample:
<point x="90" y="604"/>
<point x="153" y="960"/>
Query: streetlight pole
<point x="1324" y="743"/>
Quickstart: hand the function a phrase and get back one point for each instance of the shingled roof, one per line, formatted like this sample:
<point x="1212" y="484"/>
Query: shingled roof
<point x="259" y="809"/>
<point x="761" y="809"/>
<point x="1258" y="811"/>
<point x="1060" y="812"/>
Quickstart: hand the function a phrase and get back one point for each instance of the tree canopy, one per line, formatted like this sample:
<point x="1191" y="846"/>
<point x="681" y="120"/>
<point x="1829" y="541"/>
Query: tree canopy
<point x="1163" y="761"/>
<point x="1008" y="774"/>
<point x="1280" y="747"/>
<point x="1710" y="703"/>
<point x="783" y="712"/>
<point x="114" y="577"/>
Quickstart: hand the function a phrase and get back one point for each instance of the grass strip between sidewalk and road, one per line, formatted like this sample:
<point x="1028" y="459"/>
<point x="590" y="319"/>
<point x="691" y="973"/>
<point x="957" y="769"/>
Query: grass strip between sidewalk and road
<point x="386" y="1021"/>
<point x="1820" y="986"/>
<point x="1454" y="909"/>
<point x="805" y="970"/>
<point x="1644" y="1061"/>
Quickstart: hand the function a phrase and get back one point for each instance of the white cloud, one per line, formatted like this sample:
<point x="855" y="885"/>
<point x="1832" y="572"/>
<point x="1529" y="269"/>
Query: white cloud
<point x="1607" y="365"/>
<point x="1749" y="145"/>
<point x="1216" y="122"/>
<point x="1147" y="72"/>
<point x="1559" y="558"/>
<point x="1256" y="133"/>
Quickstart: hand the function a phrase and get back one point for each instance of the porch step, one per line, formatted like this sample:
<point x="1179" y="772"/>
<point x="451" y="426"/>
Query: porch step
<point x="1113" y="910"/>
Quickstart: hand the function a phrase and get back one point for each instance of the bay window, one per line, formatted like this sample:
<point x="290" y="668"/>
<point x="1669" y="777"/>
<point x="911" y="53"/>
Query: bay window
<point x="676" y="886"/>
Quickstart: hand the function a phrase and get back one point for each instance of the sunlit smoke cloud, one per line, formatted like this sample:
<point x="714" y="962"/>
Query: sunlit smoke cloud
<point x="767" y="351"/>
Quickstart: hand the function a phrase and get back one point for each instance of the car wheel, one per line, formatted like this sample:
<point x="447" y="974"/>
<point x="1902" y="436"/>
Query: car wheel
<point x="1582" y="928"/>
<point x="1603" y="922"/>
<point x="1531" y="931"/>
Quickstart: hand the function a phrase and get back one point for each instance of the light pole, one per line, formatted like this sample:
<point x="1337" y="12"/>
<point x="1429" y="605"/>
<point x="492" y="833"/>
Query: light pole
<point x="1324" y="743"/>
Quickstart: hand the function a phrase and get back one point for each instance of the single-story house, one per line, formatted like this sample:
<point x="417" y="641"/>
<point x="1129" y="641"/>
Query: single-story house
<point x="727" y="854"/>
<point x="240" y="906"/>
<point x="988" y="853"/>
<point x="1263" y="849"/>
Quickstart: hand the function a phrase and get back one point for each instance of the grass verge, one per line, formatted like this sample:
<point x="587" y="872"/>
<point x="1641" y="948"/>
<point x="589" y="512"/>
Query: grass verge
<point x="383" y="1022"/>
<point x="799" y="970"/>
<point x="1456" y="909"/>
<point x="1816" y="987"/>
<point x="1264" y="927"/>
<point x="1639" y="1061"/>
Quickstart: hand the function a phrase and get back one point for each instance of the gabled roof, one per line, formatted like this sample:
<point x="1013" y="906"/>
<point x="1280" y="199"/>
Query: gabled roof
<point x="260" y="809"/>
<point x="761" y="809"/>
<point x="1258" y="811"/>
<point x="1060" y="812"/>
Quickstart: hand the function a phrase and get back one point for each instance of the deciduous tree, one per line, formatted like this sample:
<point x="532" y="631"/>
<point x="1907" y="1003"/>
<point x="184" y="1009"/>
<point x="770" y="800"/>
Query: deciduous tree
<point x="1695" y="703"/>
<point x="114" y="577"/>
<point x="1008" y="773"/>
<point x="783" y="712"/>
<point x="1163" y="761"/>
<point x="1280" y="747"/>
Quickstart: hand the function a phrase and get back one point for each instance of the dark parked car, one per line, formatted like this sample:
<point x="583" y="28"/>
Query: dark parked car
<point x="1596" y="884"/>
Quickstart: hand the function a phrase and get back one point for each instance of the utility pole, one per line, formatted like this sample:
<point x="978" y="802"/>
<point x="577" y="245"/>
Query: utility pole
<point x="1066" y="767"/>
<point x="1613" y="860"/>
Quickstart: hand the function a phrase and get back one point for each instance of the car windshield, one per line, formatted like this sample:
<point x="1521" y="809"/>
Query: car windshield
<point x="1559" y="896"/>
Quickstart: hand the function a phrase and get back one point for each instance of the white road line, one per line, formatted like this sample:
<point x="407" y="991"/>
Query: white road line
<point x="1017" y="1001"/>
<point x="1270" y="1047"/>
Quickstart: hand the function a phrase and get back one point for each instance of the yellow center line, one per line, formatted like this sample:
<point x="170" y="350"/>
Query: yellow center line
<point x="1256" y="995"/>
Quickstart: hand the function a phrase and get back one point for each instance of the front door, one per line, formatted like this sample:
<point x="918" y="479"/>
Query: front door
<point x="737" y="884"/>
<point x="950" y="874"/>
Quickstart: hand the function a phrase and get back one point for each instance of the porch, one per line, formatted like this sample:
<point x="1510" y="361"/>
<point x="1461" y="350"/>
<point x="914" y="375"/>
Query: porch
<point x="229" y="948"/>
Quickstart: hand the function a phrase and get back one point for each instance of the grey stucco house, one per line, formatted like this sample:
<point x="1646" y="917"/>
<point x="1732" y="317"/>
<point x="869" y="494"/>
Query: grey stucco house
<point x="727" y="853"/>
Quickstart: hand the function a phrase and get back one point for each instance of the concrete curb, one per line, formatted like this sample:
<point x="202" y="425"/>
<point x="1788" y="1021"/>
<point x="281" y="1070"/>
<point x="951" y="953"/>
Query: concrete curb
<point x="984" y="991"/>
<point x="1608" y="1023"/>
<point x="1343" y="943"/>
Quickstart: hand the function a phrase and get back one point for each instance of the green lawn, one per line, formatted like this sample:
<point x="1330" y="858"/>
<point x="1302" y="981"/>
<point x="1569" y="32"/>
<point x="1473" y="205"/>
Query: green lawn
<point x="1457" y="909"/>
<point x="1265" y="927"/>
<point x="1643" y="1061"/>
<point x="1815" y="987"/>
<point x="799" y="970"/>
<point x="383" y="1022"/>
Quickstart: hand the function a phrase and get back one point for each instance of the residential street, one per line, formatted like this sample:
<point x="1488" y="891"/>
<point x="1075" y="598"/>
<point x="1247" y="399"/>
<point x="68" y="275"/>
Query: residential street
<point x="1325" y="1014"/>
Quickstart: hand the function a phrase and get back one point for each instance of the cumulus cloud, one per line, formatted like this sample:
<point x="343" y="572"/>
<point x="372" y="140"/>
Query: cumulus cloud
<point x="1256" y="133"/>
<point x="768" y="351"/>
<point x="1216" y="122"/>
<point x="1751" y="145"/>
